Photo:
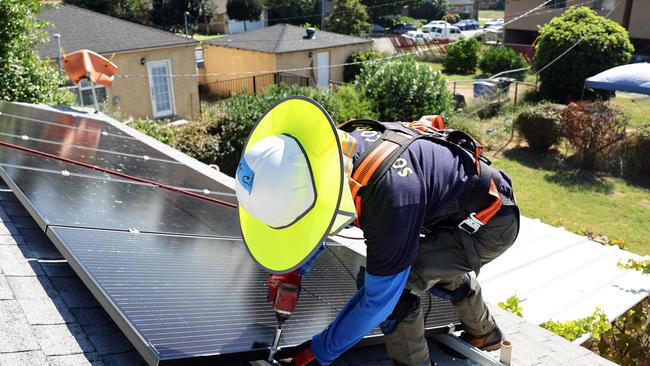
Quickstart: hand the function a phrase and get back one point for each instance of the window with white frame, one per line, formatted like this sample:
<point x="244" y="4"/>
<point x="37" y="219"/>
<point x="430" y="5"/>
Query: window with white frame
<point x="84" y="93"/>
<point x="603" y="5"/>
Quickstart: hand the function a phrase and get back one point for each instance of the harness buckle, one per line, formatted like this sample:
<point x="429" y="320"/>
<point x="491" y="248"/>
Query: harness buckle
<point x="471" y="224"/>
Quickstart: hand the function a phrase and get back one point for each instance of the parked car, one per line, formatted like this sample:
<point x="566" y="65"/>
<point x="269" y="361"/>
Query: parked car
<point x="377" y="31"/>
<point x="427" y="27"/>
<point x="418" y="36"/>
<point x="493" y="23"/>
<point x="402" y="28"/>
<point x="467" y="24"/>
<point x="641" y="55"/>
<point x="452" y="33"/>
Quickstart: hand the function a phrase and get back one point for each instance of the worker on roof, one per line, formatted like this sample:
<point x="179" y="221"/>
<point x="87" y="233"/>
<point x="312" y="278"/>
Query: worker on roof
<point x="431" y="212"/>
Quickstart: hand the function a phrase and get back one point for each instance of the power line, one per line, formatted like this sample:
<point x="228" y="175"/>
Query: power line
<point x="528" y="13"/>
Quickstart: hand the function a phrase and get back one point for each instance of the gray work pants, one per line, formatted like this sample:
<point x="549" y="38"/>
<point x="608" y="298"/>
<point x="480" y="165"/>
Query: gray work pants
<point x="445" y="257"/>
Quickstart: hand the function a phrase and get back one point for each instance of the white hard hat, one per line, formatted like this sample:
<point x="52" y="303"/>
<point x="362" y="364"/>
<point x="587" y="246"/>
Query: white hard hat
<point x="274" y="182"/>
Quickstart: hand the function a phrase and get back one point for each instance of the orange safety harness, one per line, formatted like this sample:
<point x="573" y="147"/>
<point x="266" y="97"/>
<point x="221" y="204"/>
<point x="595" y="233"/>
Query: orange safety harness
<point x="395" y="139"/>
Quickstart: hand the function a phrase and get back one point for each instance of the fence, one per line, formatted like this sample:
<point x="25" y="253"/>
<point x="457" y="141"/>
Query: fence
<point x="252" y="84"/>
<point x="406" y="45"/>
<point x="514" y="91"/>
<point x="527" y="51"/>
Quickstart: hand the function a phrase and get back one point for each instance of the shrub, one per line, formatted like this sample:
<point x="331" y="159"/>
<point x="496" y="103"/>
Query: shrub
<point x="501" y="58"/>
<point x="596" y="324"/>
<point x="241" y="112"/>
<point x="351" y="71"/>
<point x="540" y="125"/>
<point x="451" y="17"/>
<point x="593" y="129"/>
<point x="402" y="89"/>
<point x="194" y="140"/>
<point x="463" y="122"/>
<point x="604" y="44"/>
<point x="353" y="104"/>
<point x="637" y="151"/>
<point x="512" y="305"/>
<point x="462" y="56"/>
<point x="156" y="129"/>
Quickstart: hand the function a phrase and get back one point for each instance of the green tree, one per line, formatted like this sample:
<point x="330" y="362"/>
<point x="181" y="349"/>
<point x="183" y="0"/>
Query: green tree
<point x="348" y="17"/>
<point x="24" y="77"/>
<point x="603" y="44"/>
<point x="404" y="90"/>
<point x="296" y="12"/>
<point x="501" y="58"/>
<point x="382" y="8"/>
<point x="244" y="10"/>
<point x="132" y="10"/>
<point x="170" y="14"/>
<point x="462" y="56"/>
<point x="435" y="9"/>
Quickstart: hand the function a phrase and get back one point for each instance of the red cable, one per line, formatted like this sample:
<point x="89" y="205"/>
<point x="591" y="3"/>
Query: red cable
<point x="119" y="174"/>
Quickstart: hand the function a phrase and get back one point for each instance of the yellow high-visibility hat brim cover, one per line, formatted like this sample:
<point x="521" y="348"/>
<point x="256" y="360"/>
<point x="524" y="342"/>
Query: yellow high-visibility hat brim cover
<point x="284" y="249"/>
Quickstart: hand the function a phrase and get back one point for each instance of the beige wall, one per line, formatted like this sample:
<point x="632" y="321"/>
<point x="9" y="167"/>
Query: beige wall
<point x="134" y="94"/>
<point x="639" y="21"/>
<point x="224" y="60"/>
<point x="301" y="59"/>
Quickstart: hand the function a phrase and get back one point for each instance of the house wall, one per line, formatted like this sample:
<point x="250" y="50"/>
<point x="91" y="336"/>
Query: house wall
<point x="639" y="21"/>
<point x="301" y="59"/>
<point x="220" y="59"/>
<point x="132" y="95"/>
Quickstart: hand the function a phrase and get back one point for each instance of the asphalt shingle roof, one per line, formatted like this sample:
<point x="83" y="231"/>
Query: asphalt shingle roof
<point x="81" y="28"/>
<point x="285" y="38"/>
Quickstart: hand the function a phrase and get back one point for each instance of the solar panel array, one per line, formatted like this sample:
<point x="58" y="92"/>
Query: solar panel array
<point x="170" y="269"/>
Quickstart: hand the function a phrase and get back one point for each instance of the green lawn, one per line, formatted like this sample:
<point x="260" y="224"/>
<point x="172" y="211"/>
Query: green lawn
<point x="485" y="15"/>
<point x="452" y="77"/>
<point x="602" y="205"/>
<point x="203" y="37"/>
<point x="638" y="109"/>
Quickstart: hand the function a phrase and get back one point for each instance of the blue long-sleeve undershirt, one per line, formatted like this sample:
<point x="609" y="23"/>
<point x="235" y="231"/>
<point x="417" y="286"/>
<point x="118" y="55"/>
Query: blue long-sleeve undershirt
<point x="370" y="306"/>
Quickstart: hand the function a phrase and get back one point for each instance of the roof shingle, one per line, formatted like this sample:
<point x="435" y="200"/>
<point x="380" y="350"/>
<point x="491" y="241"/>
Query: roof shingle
<point x="84" y="29"/>
<point x="285" y="38"/>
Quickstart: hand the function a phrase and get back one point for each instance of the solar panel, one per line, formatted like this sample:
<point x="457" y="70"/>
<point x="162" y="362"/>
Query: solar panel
<point x="204" y="296"/>
<point x="170" y="269"/>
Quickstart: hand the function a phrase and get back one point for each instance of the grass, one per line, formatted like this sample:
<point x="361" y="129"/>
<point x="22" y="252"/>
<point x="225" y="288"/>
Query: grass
<point x="548" y="190"/>
<point x="203" y="37"/>
<point x="485" y="15"/>
<point x="452" y="77"/>
<point x="637" y="109"/>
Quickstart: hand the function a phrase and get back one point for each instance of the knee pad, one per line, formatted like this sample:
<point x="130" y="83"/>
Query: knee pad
<point x="407" y="303"/>
<point x="463" y="291"/>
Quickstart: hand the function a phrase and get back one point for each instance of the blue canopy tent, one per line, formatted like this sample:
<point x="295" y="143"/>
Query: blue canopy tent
<point x="633" y="78"/>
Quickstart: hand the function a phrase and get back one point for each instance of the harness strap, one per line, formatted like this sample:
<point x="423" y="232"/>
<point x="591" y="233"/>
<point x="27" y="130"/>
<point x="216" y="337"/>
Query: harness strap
<point x="377" y="161"/>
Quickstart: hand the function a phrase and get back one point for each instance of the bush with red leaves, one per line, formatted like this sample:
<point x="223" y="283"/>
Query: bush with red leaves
<point x="593" y="129"/>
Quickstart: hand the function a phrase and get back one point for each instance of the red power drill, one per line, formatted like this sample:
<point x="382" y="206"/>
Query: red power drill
<point x="284" y="305"/>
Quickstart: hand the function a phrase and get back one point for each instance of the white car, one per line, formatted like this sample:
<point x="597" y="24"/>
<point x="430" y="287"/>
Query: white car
<point x="452" y="33"/>
<point x="427" y="27"/>
<point x="493" y="23"/>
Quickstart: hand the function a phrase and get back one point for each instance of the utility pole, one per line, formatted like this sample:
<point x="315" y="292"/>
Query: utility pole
<point x="185" y="16"/>
<point x="322" y="14"/>
<point x="627" y="13"/>
<point x="57" y="36"/>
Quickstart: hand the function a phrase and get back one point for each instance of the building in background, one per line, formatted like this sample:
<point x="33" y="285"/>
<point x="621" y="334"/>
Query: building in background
<point x="149" y="54"/>
<point x="466" y="8"/>
<point x="524" y="30"/>
<point x="251" y="60"/>
<point x="222" y="24"/>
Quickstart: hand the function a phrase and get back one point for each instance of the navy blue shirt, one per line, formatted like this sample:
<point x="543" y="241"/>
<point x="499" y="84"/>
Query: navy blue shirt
<point x="425" y="180"/>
